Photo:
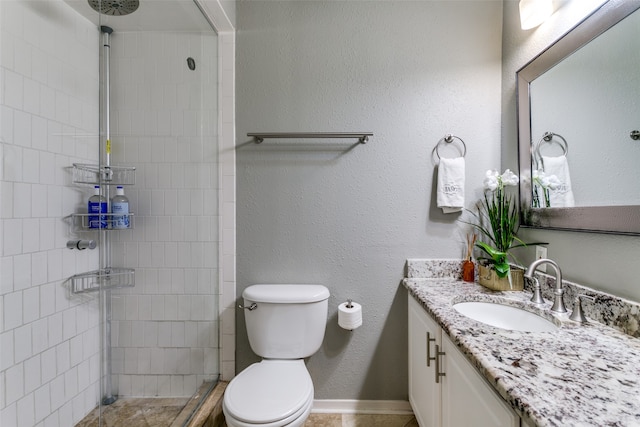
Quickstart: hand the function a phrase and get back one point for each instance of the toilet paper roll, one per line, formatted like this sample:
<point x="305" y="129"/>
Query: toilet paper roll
<point x="349" y="317"/>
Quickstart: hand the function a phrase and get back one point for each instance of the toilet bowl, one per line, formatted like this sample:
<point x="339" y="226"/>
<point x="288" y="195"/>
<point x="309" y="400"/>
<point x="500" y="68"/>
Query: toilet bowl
<point x="271" y="393"/>
<point x="285" y="324"/>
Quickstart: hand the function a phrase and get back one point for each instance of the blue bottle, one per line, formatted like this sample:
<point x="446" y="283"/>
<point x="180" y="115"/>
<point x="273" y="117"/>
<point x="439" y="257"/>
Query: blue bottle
<point x="97" y="205"/>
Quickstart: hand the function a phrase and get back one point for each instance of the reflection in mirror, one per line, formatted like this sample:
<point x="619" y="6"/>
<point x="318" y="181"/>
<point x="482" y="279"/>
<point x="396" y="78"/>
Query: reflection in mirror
<point x="591" y="99"/>
<point x="583" y="92"/>
<point x="551" y="179"/>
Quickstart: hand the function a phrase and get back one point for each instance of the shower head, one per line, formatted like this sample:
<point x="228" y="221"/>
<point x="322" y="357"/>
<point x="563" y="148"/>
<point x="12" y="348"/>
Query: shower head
<point x="114" y="7"/>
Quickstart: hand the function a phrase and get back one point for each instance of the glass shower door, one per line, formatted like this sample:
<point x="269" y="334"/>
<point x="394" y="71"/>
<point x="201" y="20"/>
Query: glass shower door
<point x="159" y="117"/>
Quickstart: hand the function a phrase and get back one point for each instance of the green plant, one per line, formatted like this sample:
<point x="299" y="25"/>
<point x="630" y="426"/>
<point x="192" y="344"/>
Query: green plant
<point x="498" y="221"/>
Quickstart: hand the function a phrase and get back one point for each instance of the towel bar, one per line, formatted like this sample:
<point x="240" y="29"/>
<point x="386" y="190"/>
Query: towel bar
<point x="363" y="137"/>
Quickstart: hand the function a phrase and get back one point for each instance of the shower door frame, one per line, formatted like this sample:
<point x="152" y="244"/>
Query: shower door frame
<point x="215" y="14"/>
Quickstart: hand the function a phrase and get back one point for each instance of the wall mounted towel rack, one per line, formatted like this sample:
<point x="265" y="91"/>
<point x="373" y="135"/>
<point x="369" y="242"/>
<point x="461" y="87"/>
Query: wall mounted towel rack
<point x="551" y="137"/>
<point x="449" y="138"/>
<point x="363" y="137"/>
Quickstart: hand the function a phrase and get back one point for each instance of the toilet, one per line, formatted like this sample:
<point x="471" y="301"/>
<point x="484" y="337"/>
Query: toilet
<point x="285" y="324"/>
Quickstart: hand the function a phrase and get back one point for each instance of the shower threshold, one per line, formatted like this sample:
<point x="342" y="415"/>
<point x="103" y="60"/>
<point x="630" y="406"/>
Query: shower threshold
<point x="149" y="411"/>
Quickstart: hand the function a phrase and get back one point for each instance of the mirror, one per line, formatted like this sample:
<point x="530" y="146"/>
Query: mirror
<point x="578" y="106"/>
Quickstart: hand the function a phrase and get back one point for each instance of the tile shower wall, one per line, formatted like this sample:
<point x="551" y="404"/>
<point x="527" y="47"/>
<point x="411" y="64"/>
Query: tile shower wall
<point x="165" y="122"/>
<point x="49" y="339"/>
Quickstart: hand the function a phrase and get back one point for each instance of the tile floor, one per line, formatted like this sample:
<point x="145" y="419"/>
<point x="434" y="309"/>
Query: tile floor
<point x="360" y="420"/>
<point x="164" y="413"/>
<point x="172" y="412"/>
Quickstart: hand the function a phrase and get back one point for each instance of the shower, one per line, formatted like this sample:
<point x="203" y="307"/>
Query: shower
<point x="114" y="7"/>
<point x="165" y="271"/>
<point x="160" y="333"/>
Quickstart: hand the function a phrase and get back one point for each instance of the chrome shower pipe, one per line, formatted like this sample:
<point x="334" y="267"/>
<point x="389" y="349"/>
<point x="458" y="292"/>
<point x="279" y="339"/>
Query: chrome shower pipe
<point x="106" y="54"/>
<point x="105" y="238"/>
<point x="106" y="174"/>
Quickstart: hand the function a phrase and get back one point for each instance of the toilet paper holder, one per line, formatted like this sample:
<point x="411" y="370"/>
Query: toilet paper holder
<point x="349" y="315"/>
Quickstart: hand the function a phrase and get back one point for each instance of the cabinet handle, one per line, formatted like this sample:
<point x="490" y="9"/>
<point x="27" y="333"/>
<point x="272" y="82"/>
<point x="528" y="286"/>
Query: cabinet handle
<point x="438" y="354"/>
<point x="429" y="358"/>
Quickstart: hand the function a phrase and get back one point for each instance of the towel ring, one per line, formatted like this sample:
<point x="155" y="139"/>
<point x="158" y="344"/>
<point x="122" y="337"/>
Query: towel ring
<point x="549" y="137"/>
<point x="448" y="138"/>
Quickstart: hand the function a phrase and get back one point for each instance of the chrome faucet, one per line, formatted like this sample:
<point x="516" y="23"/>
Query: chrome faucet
<point x="558" y="303"/>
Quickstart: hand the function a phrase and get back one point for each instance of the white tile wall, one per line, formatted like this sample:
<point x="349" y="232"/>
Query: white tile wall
<point x="49" y="340"/>
<point x="48" y="76"/>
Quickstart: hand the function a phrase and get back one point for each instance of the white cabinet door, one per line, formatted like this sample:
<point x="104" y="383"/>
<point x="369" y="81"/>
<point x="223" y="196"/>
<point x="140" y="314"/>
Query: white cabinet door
<point x="467" y="400"/>
<point x="424" y="392"/>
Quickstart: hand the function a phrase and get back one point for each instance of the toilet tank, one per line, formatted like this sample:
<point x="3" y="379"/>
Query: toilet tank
<point x="289" y="320"/>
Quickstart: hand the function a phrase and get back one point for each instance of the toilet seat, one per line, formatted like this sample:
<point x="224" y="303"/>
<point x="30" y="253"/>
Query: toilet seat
<point x="271" y="393"/>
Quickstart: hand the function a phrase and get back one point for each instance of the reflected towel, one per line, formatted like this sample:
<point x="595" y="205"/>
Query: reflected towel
<point x="561" y="197"/>
<point x="450" y="185"/>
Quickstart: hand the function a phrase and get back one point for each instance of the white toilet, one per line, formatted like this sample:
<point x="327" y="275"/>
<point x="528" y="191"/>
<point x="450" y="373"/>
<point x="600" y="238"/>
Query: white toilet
<point x="285" y="324"/>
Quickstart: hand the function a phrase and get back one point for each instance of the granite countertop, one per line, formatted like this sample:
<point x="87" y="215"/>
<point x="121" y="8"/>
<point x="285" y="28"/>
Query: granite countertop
<point x="579" y="375"/>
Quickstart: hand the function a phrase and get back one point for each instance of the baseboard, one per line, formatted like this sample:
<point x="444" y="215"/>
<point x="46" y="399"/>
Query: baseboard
<point x="335" y="406"/>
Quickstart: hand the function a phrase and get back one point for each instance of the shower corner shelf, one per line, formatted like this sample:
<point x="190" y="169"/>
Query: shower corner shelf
<point x="80" y="222"/>
<point x="101" y="174"/>
<point x="105" y="279"/>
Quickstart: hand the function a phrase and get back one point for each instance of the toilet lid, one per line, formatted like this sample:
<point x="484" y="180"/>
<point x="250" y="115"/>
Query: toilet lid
<point x="269" y="391"/>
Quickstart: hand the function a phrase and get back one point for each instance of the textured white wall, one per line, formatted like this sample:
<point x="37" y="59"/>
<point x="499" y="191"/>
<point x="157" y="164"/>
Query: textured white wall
<point x="315" y="212"/>
<point x="230" y="9"/>
<point x="597" y="260"/>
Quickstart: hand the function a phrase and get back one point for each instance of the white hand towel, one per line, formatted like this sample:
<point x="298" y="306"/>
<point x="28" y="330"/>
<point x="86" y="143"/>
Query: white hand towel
<point x="562" y="196"/>
<point x="450" y="188"/>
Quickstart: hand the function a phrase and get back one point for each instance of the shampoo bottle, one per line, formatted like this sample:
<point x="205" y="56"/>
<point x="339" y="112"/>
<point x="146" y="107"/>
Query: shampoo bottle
<point x="97" y="206"/>
<point x="120" y="209"/>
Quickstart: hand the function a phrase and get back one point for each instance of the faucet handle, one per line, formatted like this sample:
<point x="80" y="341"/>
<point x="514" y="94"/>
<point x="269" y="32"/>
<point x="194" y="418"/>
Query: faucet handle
<point x="536" y="298"/>
<point x="577" y="315"/>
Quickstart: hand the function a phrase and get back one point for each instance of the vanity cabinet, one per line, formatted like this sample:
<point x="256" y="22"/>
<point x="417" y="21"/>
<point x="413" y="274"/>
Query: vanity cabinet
<point x="444" y="388"/>
<point x="424" y="392"/>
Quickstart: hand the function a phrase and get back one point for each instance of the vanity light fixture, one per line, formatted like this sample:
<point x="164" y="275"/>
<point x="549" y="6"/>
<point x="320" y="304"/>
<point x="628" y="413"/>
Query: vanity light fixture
<point x="534" y="12"/>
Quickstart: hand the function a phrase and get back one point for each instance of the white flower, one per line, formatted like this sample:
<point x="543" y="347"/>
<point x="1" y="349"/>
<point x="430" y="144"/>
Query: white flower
<point x="509" y="178"/>
<point x="491" y="180"/>
<point x="537" y="175"/>
<point x="545" y="181"/>
<point x="553" y="182"/>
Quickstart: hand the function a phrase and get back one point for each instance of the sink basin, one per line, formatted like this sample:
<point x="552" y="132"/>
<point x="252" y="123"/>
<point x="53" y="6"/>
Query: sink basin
<point x="504" y="316"/>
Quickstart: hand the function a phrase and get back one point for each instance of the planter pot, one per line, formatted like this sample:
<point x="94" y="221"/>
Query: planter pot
<point x="488" y="278"/>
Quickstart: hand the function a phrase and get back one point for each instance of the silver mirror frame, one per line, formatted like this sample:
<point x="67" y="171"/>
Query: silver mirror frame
<point x="600" y="219"/>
